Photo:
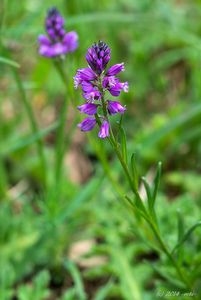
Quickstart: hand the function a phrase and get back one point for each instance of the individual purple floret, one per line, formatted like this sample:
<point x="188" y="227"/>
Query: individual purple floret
<point x="87" y="124"/>
<point x="95" y="81"/>
<point x="88" y="108"/>
<point x="57" y="42"/>
<point x="104" y="130"/>
<point x="114" y="70"/>
<point x="115" y="107"/>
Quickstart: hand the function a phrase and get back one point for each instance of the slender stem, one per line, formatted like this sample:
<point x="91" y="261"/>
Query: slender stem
<point x="33" y="124"/>
<point x="2" y="21"/>
<point x="168" y="254"/>
<point x="60" y="147"/>
<point x="147" y="217"/>
<point x="3" y="181"/>
<point x="152" y="225"/>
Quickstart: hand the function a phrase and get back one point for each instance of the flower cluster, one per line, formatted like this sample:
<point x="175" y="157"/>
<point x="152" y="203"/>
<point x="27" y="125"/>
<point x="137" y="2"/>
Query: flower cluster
<point x="57" y="41"/>
<point x="95" y="81"/>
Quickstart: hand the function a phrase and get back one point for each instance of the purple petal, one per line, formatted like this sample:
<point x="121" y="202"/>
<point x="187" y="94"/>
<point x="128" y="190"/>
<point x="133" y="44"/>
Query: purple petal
<point x="104" y="130"/>
<point x="109" y="81"/>
<point x="87" y="74"/>
<point x="44" y="40"/>
<point x="114" y="70"/>
<point x="87" y="86"/>
<point x="46" y="51"/>
<point x="125" y="86"/>
<point x="70" y="40"/>
<point x="88" y="108"/>
<point x="77" y="80"/>
<point x="115" y="107"/>
<point x="92" y="95"/>
<point x="52" y="50"/>
<point x="87" y="124"/>
<point x="116" y="89"/>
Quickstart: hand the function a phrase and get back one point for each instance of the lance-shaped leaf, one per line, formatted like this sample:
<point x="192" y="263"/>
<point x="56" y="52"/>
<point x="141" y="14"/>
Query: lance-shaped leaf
<point x="123" y="145"/>
<point x="9" y="62"/>
<point x="134" y="170"/>
<point x="156" y="182"/>
<point x="181" y="231"/>
<point x="149" y="198"/>
<point x="186" y="236"/>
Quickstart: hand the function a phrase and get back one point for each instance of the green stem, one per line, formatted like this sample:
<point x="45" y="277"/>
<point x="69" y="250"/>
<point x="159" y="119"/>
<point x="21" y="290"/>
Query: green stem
<point x="168" y="254"/>
<point x="147" y="217"/>
<point x="33" y="124"/>
<point x="152" y="225"/>
<point x="60" y="147"/>
<point x="2" y="21"/>
<point x="3" y="181"/>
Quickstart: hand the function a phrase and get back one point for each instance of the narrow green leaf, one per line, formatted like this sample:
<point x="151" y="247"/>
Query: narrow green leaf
<point x="75" y="273"/>
<point x="137" y="207"/>
<point x="123" y="145"/>
<point x="186" y="236"/>
<point x="104" y="291"/>
<point x="148" y="191"/>
<point x="149" y="198"/>
<point x="164" y="274"/>
<point x="134" y="170"/>
<point x="9" y="62"/>
<point x="180" y="225"/>
<point x="156" y="183"/>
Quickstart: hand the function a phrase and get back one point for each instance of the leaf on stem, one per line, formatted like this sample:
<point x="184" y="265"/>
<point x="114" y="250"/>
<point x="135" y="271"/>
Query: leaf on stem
<point x="134" y="170"/>
<point x="152" y="192"/>
<point x="180" y="224"/>
<point x="123" y="145"/>
<point x="186" y="236"/>
<point x="150" y="199"/>
<point x="137" y="207"/>
<point x="9" y="62"/>
<point x="148" y="191"/>
<point x="157" y="181"/>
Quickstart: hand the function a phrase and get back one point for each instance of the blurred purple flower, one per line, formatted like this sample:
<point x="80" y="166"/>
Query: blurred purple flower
<point x="57" y="42"/>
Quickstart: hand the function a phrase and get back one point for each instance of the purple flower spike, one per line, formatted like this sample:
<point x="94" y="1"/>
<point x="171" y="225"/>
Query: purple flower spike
<point x="88" y="108"/>
<point x="104" y="130"/>
<point x="54" y="24"/>
<point x="87" y="124"/>
<point x="114" y="70"/>
<point x="115" y="107"/>
<point x="95" y="83"/>
<point x="98" y="56"/>
<point x="70" y="41"/>
<point x="57" y="42"/>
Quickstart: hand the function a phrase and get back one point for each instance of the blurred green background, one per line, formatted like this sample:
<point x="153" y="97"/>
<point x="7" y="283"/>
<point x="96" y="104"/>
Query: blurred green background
<point x="83" y="243"/>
